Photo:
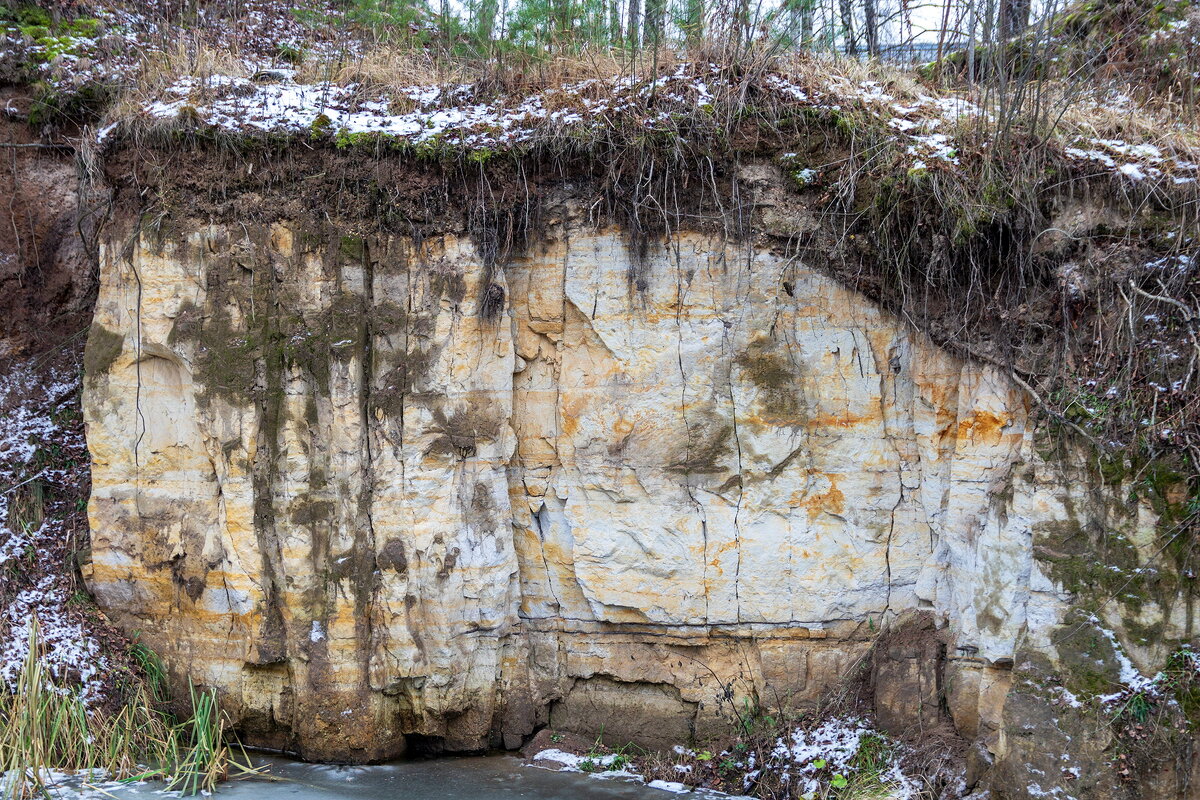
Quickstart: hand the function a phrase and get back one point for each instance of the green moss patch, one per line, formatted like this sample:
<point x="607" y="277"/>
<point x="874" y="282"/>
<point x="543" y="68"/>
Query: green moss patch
<point x="103" y="348"/>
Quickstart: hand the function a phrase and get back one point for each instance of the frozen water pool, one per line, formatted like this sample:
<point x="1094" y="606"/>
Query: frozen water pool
<point x="493" y="777"/>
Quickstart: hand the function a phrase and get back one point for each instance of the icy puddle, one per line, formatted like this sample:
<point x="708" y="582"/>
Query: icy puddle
<point x="498" y="777"/>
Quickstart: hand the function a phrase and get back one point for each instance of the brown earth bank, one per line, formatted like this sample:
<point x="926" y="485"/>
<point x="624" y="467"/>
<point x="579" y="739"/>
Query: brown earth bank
<point x="47" y="294"/>
<point x="47" y="278"/>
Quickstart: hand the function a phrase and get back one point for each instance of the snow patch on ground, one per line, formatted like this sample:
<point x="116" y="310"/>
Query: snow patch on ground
<point x="601" y="766"/>
<point x="454" y="116"/>
<point x="69" y="653"/>
<point x="31" y="402"/>
<point x="670" y="786"/>
<point x="1131" y="679"/>
<point x="429" y="113"/>
<point x="810" y="758"/>
<point x="1133" y="682"/>
<point x="129" y="33"/>
<point x="1136" y="162"/>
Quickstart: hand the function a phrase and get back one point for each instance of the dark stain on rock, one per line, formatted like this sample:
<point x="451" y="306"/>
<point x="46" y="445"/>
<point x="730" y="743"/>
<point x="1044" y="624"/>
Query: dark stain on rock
<point x="226" y="356"/>
<point x="481" y="511"/>
<point x="353" y="248"/>
<point x="460" y="432"/>
<point x="393" y="556"/>
<point x="448" y="564"/>
<point x="491" y="305"/>
<point x="306" y="513"/>
<point x="707" y="446"/>
<point x="777" y="384"/>
<point x="193" y="587"/>
<point x="103" y="348"/>
<point x="398" y="382"/>
<point x="388" y="318"/>
<point x="446" y="282"/>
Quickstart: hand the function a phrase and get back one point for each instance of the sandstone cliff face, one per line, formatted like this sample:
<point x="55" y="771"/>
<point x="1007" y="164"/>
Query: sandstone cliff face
<point x="380" y="488"/>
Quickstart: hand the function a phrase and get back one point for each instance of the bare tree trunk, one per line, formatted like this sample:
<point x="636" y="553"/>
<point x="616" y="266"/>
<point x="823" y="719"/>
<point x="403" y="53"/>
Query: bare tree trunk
<point x="635" y="18"/>
<point x="1014" y="17"/>
<point x="944" y="29"/>
<point x="799" y="21"/>
<point x="971" y="41"/>
<point x="847" y="13"/>
<point x="486" y="23"/>
<point x="656" y="12"/>
<point x="561" y="9"/>
<point x="871" y="27"/>
<point x="738" y="13"/>
<point x="695" y="21"/>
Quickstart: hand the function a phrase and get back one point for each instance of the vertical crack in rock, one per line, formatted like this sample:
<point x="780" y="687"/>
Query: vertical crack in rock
<point x="366" y="555"/>
<point x="557" y="365"/>
<point x="887" y="551"/>
<point x="687" y="480"/>
<point x="267" y="395"/>
<point x="891" y="434"/>
<point x="743" y="303"/>
<point x="737" y="531"/>
<point x="127" y="254"/>
<point x="539" y="523"/>
<point x="555" y="471"/>
<point x="805" y="447"/>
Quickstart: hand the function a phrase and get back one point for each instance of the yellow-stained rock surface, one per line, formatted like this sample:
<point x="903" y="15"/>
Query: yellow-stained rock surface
<point x="379" y="489"/>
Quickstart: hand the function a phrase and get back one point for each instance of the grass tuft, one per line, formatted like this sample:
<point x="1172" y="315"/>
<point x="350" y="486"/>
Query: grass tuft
<point x="46" y="730"/>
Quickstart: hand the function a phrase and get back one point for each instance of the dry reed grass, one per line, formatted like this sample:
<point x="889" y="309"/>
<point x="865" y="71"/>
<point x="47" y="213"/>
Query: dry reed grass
<point x="47" y="730"/>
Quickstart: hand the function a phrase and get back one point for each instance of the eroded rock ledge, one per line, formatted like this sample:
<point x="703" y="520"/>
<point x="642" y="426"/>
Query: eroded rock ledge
<point x="381" y="488"/>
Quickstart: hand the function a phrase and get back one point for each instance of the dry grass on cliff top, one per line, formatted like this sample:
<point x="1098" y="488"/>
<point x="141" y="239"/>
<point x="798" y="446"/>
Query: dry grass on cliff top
<point x="412" y="97"/>
<point x="160" y="75"/>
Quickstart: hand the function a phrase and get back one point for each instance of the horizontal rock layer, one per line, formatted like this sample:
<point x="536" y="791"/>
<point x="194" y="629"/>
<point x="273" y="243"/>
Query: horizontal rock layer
<point x="380" y="490"/>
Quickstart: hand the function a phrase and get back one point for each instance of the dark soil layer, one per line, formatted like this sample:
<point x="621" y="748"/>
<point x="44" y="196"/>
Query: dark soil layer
<point x="47" y="281"/>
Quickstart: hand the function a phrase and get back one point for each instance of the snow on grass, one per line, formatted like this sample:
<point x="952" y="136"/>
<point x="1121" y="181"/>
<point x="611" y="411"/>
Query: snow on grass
<point x="610" y="765"/>
<point x="835" y="753"/>
<point x="1137" y="162"/>
<point x="421" y="115"/>
<point x="269" y="32"/>
<point x="28" y="405"/>
<point x="1158" y="688"/>
<point x="1178" y="263"/>
<point x="933" y="145"/>
<point x="266" y="32"/>
<point x="1065" y="697"/>
<point x="69" y="653"/>
<point x="814" y="757"/>
<point x="124" y="35"/>
<point x="430" y="113"/>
